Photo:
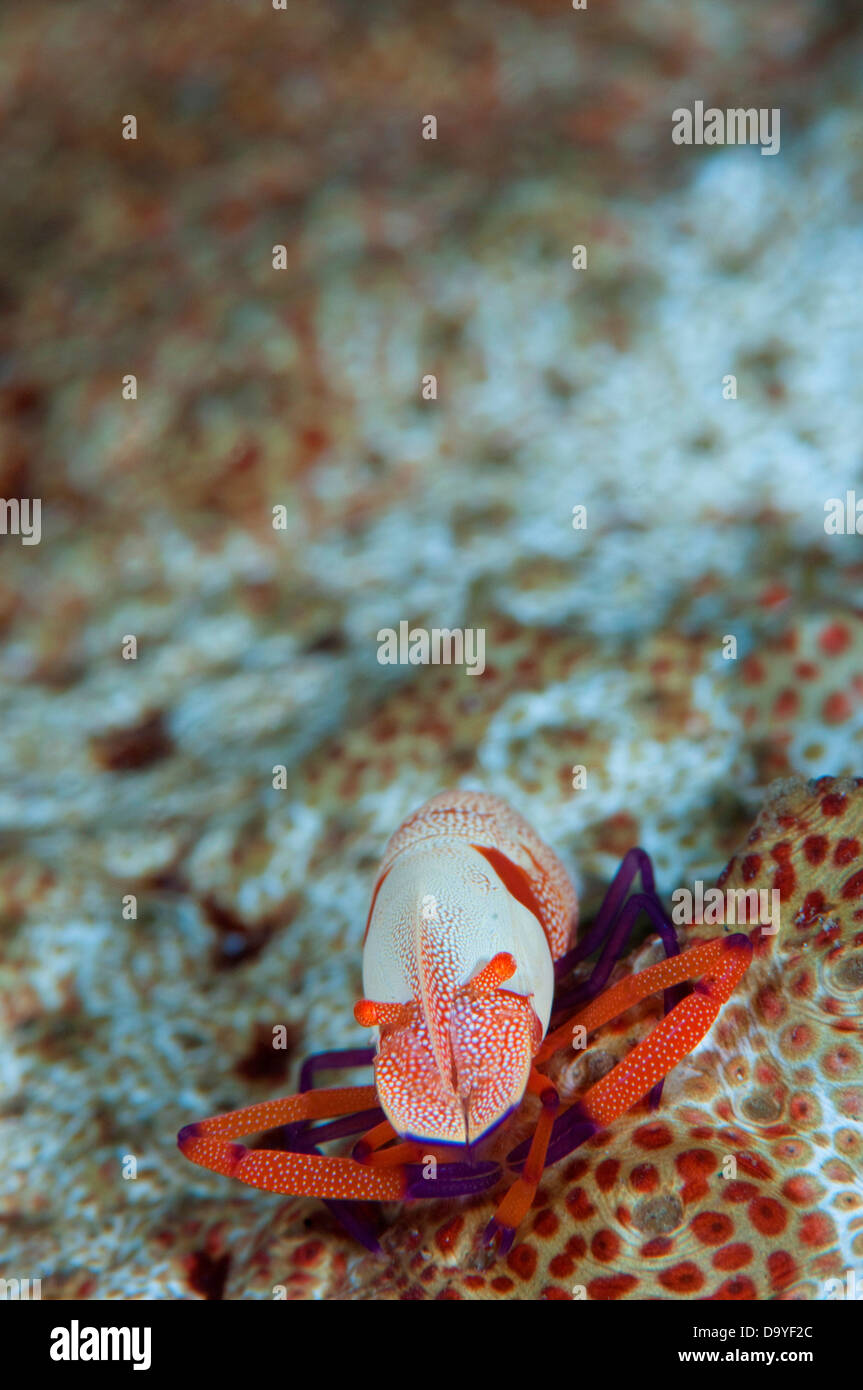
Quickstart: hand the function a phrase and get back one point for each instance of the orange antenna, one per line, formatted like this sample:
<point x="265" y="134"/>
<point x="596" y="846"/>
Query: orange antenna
<point x="500" y="968"/>
<point x="369" y="1014"/>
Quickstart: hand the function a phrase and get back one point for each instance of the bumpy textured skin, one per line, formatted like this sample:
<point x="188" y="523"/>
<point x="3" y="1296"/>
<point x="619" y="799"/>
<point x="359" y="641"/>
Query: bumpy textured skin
<point x="463" y="879"/>
<point x="645" y="1210"/>
<point x="799" y="693"/>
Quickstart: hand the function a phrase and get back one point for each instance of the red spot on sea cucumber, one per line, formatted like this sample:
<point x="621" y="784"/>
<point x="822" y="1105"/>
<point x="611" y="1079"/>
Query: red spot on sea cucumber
<point x="782" y="854"/>
<point x="816" y="1230"/>
<point x="733" y="1257"/>
<point x="833" y="804"/>
<point x="770" y="1004"/>
<point x="606" y="1174"/>
<point x="834" y="639"/>
<point x="655" y="1136"/>
<point x="815" y="848"/>
<point x="135" y="746"/>
<point x="522" y="1260"/>
<point x="774" y="594"/>
<point x="802" y="1190"/>
<point x="752" y="670"/>
<point x="813" y="905"/>
<point x="739" y="1191"/>
<point x="850" y="1102"/>
<point x="313" y="441"/>
<point x="711" y="1227"/>
<point x="754" y="1166"/>
<point x="308" y="1254"/>
<point x="502" y="1284"/>
<point x="750" y="867"/>
<point x="561" y="1266"/>
<point x="803" y="1109"/>
<point x="786" y="704"/>
<point x="803" y="984"/>
<point x="610" y="1286"/>
<point x="768" y="1216"/>
<point x="644" y="1178"/>
<point x="782" y="1268"/>
<point x="806" y="671"/>
<point x="579" y="1204"/>
<point x="846" y="850"/>
<point x="447" y="1235"/>
<point x="836" y="708"/>
<point x="576" y="1170"/>
<point x="683" y="1278"/>
<point x="546" y="1223"/>
<point x="800" y="1037"/>
<point x="654" y="1249"/>
<point x="695" y="1163"/>
<point x="853" y="887"/>
<point x="605" y="1246"/>
<point x="738" y="1289"/>
<point x="841" y="1062"/>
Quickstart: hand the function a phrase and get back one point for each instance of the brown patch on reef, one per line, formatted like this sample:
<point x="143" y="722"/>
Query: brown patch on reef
<point x="134" y="747"/>
<point x="239" y="941"/>
<point x="207" y="1274"/>
<point x="264" y="1061"/>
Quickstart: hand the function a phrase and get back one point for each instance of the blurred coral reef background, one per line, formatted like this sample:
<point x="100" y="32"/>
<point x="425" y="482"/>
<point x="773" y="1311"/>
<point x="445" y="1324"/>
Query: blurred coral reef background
<point x="300" y="388"/>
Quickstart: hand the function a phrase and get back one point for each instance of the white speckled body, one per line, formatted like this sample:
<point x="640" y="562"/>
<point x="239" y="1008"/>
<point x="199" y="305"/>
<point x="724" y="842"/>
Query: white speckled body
<point x="441" y="914"/>
<point x="464" y="879"/>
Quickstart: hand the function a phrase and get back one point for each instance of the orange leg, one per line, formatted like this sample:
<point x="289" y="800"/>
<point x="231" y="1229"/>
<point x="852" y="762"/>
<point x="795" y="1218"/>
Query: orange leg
<point x="717" y="966"/>
<point x="519" y="1199"/>
<point x="386" y="1176"/>
<point x="208" y="1144"/>
<point x="373" y="1140"/>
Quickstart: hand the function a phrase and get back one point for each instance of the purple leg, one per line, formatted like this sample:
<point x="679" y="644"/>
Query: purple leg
<point x="351" y="1220"/>
<point x="454" y="1179"/>
<point x="357" y="1123"/>
<point x="327" y="1061"/>
<point x="611" y="929"/>
<point x="617" y="937"/>
<point x="635" y="861"/>
<point x="332" y="1061"/>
